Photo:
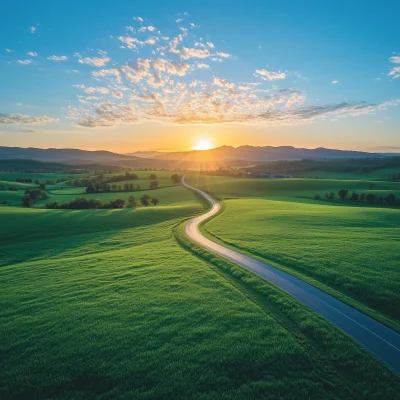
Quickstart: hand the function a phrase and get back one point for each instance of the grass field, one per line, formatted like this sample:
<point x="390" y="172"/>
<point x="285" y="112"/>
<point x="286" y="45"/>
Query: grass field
<point x="227" y="187"/>
<point x="106" y="304"/>
<point x="348" y="251"/>
<point x="377" y="175"/>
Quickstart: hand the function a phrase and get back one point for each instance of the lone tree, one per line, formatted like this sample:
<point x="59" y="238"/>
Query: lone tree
<point x="153" y="177"/>
<point x="155" y="201"/>
<point x="391" y="199"/>
<point x="27" y="201"/>
<point x="176" y="178"/>
<point x="132" y="202"/>
<point x="343" y="193"/>
<point x="354" y="197"/>
<point x="371" y="198"/>
<point x="145" y="200"/>
<point x="153" y="184"/>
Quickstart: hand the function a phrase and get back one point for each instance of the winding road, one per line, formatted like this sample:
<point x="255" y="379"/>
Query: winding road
<point x="377" y="338"/>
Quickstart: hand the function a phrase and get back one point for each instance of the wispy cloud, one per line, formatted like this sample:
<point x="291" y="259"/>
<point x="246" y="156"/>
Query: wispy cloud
<point x="170" y="79"/>
<point x="269" y="76"/>
<point x="24" y="62"/>
<point x="32" y="54"/>
<point x="335" y="82"/>
<point x="21" y="119"/>
<point x="9" y="50"/>
<point x="95" y="61"/>
<point x="395" y="71"/>
<point x="57" y="58"/>
<point x="32" y="29"/>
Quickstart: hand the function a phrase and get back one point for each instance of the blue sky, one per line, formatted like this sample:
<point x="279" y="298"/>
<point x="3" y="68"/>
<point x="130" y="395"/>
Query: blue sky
<point x="131" y="75"/>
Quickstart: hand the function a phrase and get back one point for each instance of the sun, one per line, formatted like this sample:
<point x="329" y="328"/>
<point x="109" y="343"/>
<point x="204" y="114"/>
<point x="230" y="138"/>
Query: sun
<point x="203" y="144"/>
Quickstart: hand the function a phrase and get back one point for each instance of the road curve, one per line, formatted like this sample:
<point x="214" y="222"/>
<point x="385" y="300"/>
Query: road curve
<point x="377" y="338"/>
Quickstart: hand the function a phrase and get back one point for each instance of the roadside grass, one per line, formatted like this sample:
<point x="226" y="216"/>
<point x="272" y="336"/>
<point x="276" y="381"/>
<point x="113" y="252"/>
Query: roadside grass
<point x="347" y="250"/>
<point x="352" y="250"/>
<point x="95" y="305"/>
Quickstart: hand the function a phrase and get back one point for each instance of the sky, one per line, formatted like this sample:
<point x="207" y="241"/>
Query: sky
<point x="161" y="75"/>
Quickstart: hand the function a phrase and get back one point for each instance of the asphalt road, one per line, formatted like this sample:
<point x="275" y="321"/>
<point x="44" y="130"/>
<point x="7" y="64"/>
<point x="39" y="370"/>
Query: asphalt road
<point x="377" y="338"/>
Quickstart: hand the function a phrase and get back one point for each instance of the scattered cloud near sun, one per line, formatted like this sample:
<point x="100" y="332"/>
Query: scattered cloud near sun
<point x="18" y="119"/>
<point x="172" y="78"/>
<point x="395" y="72"/>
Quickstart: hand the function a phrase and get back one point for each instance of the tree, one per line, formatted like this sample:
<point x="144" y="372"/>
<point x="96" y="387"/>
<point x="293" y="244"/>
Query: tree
<point x="343" y="193"/>
<point x="27" y="201"/>
<point x="176" y="178"/>
<point x="52" y="205"/>
<point x="145" y="200"/>
<point x="362" y="196"/>
<point x="132" y="202"/>
<point x="118" y="203"/>
<point x="371" y="198"/>
<point x="317" y="197"/>
<point x="155" y="201"/>
<point x="42" y="186"/>
<point x="153" y="184"/>
<point x="331" y="196"/>
<point x="153" y="177"/>
<point x="354" y="197"/>
<point x="390" y="199"/>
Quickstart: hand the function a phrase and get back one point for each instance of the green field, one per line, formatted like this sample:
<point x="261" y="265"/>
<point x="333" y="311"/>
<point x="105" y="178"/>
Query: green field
<point x="63" y="192"/>
<point x="349" y="251"/>
<point x="106" y="304"/>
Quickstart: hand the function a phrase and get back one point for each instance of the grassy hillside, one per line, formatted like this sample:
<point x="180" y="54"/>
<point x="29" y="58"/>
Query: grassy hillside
<point x="227" y="187"/>
<point x="348" y="251"/>
<point x="106" y="304"/>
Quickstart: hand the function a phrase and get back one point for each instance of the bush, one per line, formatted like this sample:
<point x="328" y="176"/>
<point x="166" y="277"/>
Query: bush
<point x="317" y="197"/>
<point x="53" y="205"/>
<point x="145" y="200"/>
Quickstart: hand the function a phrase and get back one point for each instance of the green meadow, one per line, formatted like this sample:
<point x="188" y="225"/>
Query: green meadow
<point x="347" y="250"/>
<point x="119" y="304"/>
<point x="116" y="304"/>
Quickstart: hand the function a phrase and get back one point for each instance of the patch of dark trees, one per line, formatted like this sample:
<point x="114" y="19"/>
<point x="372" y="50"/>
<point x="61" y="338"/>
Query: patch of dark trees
<point x="32" y="195"/>
<point x="370" y="198"/>
<point x="83" y="203"/>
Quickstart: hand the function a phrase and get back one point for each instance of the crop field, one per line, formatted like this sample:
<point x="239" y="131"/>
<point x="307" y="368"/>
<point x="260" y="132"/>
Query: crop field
<point x="107" y="304"/>
<point x="346" y="250"/>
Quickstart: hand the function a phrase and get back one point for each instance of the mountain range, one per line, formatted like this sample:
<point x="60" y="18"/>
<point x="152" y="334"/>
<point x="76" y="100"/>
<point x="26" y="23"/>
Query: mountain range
<point x="206" y="159"/>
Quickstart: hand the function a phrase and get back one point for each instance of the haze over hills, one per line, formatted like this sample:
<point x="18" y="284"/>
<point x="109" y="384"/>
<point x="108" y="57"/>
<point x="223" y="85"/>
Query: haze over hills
<point x="196" y="159"/>
<point x="261" y="154"/>
<point x="146" y="154"/>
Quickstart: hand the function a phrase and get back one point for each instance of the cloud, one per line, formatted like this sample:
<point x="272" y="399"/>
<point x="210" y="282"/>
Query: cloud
<point x="171" y="83"/>
<point x="95" y="61"/>
<point x="32" y="54"/>
<point x="24" y="62"/>
<point x="335" y="82"/>
<point x="101" y="90"/>
<point x="32" y="29"/>
<point x="9" y="50"/>
<point x="269" y="76"/>
<point x="395" y="72"/>
<point x="21" y="119"/>
<point x="140" y="19"/>
<point x="57" y="58"/>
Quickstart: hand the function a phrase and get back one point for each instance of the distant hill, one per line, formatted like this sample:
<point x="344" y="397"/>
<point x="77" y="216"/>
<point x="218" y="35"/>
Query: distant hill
<point x="62" y="155"/>
<point x="260" y="154"/>
<point x="147" y="154"/>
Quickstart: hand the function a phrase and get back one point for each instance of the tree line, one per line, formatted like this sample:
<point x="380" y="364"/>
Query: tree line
<point x="83" y="203"/>
<point x="370" y="198"/>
